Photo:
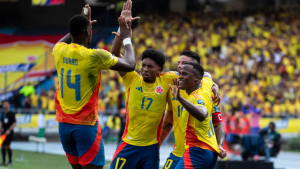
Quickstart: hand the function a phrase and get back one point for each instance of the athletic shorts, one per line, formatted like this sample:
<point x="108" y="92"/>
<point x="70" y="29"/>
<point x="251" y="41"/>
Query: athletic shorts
<point x="197" y="158"/>
<point x="171" y="162"/>
<point x="8" y="139"/>
<point x="135" y="157"/>
<point x="82" y="143"/>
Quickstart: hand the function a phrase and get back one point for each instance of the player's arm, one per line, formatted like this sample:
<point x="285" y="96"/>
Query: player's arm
<point x="199" y="112"/>
<point x="219" y="129"/>
<point x="68" y="39"/>
<point x="214" y="89"/>
<point x="167" y="123"/>
<point x="117" y="44"/>
<point x="127" y="63"/>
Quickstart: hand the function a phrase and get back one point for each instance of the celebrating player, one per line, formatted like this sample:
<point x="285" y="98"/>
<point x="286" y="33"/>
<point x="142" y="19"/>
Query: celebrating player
<point x="198" y="130"/>
<point x="79" y="73"/>
<point x="173" y="117"/>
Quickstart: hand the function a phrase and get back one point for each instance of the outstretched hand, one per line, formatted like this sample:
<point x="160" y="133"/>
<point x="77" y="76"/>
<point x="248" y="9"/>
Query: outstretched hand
<point x="88" y="14"/>
<point x="125" y="30"/>
<point x="126" y="12"/>
<point x="175" y="88"/>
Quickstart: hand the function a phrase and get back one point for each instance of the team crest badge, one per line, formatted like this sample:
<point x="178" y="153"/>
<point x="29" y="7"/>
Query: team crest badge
<point x="159" y="90"/>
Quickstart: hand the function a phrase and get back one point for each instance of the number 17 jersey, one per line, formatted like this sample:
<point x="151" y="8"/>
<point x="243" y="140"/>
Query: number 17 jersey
<point x="79" y="74"/>
<point x="145" y="107"/>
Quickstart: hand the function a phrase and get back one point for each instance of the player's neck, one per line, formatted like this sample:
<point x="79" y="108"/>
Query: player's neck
<point x="191" y="90"/>
<point x="80" y="41"/>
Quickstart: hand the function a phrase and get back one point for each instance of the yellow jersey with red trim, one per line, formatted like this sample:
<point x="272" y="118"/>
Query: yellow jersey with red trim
<point x="79" y="76"/>
<point x="200" y="134"/>
<point x="145" y="107"/>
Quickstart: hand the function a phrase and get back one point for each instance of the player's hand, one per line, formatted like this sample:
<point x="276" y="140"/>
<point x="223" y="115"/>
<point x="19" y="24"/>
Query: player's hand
<point x="223" y="153"/>
<point x="89" y="14"/>
<point x="175" y="88"/>
<point x="126" y="12"/>
<point x="216" y="91"/>
<point x="125" y="30"/>
<point x="121" y="56"/>
<point x="7" y="132"/>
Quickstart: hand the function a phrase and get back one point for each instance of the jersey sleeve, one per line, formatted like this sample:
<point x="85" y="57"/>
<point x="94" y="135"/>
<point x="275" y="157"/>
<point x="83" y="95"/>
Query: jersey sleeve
<point x="57" y="47"/>
<point x="200" y="99"/>
<point x="207" y="83"/>
<point x="103" y="59"/>
<point x="129" y="78"/>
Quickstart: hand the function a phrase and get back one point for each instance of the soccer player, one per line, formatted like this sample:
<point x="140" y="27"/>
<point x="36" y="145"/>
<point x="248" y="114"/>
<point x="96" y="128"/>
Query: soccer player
<point x="173" y="117"/>
<point x="79" y="74"/>
<point x="202" y="151"/>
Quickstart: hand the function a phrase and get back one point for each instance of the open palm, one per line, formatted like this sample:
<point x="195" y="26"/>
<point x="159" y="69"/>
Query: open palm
<point x="126" y="12"/>
<point x="175" y="88"/>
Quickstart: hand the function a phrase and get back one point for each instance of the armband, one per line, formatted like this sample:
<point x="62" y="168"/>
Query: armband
<point x="217" y="117"/>
<point x="127" y="41"/>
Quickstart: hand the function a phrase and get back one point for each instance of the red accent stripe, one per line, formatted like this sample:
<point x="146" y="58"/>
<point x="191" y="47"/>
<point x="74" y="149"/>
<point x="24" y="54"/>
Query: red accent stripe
<point x="72" y="159"/>
<point x="119" y="149"/>
<point x="159" y="128"/>
<point x="127" y="117"/>
<point x="88" y="156"/>
<point x="187" y="160"/>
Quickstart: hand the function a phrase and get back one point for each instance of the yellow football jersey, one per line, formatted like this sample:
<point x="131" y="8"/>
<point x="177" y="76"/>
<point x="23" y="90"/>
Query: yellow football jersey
<point x="145" y="107"/>
<point x="79" y="74"/>
<point x="200" y="134"/>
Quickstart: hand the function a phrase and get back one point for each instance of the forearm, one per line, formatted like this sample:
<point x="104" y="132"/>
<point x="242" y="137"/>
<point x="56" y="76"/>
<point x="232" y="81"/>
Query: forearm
<point x="220" y="134"/>
<point x="166" y="127"/>
<point x="129" y="55"/>
<point x="67" y="39"/>
<point x="200" y="113"/>
<point x="116" y="48"/>
<point x="206" y="74"/>
<point x="12" y="126"/>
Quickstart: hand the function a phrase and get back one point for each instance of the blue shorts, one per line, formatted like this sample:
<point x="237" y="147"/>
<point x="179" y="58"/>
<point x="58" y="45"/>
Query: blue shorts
<point x="82" y="143"/>
<point x="171" y="162"/>
<point x="135" y="157"/>
<point x="197" y="158"/>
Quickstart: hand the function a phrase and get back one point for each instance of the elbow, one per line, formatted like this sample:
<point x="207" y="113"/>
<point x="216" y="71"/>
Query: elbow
<point x="203" y="116"/>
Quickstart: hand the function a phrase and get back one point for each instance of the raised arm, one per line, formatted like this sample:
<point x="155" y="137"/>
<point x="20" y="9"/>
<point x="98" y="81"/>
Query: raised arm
<point x="127" y="63"/>
<point x="117" y="44"/>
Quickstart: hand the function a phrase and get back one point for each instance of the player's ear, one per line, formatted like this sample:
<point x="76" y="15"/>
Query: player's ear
<point x="159" y="70"/>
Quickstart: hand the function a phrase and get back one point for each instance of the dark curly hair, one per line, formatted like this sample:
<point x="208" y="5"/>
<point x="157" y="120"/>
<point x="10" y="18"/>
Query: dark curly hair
<point x="199" y="69"/>
<point x="157" y="56"/>
<point x="78" y="24"/>
<point x="195" y="57"/>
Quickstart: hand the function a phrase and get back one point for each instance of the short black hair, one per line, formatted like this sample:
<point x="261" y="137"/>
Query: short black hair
<point x="78" y="24"/>
<point x="195" y="57"/>
<point x="157" y="56"/>
<point x="196" y="67"/>
<point x="272" y="123"/>
<point x="5" y="101"/>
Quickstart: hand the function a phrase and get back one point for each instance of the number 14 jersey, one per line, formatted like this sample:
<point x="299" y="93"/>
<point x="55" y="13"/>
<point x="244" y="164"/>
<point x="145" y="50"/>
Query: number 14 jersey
<point x="79" y="75"/>
<point x="145" y="107"/>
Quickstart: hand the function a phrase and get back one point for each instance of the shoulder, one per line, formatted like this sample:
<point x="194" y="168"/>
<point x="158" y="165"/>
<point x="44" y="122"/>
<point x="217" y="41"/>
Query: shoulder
<point x="171" y="74"/>
<point x="58" y="45"/>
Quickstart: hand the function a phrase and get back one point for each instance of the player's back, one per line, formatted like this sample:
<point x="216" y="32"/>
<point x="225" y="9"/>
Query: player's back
<point x="79" y="74"/>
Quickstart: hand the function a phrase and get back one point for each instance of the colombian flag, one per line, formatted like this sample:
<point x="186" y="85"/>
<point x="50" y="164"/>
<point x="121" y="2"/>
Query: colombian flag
<point x="47" y="2"/>
<point x="2" y="138"/>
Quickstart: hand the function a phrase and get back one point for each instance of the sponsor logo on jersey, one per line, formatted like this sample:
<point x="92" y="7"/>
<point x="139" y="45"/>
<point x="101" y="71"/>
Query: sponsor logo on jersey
<point x="139" y="89"/>
<point x="217" y="108"/>
<point x="159" y="90"/>
<point x="201" y="102"/>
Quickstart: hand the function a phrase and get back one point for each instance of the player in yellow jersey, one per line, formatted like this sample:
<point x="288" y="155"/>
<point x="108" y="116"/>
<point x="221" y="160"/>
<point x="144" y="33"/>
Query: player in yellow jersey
<point x="202" y="147"/>
<point x="173" y="117"/>
<point x="79" y="74"/>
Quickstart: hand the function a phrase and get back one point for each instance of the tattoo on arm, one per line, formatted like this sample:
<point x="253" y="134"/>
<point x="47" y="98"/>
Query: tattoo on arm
<point x="220" y="134"/>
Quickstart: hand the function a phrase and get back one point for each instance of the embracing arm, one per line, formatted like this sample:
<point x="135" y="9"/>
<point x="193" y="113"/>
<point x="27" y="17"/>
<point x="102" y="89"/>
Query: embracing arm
<point x="220" y="134"/>
<point x="214" y="89"/>
<point x="167" y="126"/>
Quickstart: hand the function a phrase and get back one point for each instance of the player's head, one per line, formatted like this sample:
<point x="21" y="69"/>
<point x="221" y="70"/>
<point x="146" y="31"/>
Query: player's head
<point x="188" y="56"/>
<point x="190" y="75"/>
<point x="272" y="126"/>
<point x="6" y="105"/>
<point x="153" y="64"/>
<point x="80" y="28"/>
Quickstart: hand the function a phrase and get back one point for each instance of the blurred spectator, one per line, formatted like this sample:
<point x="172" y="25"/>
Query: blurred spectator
<point x="123" y="123"/>
<point x="105" y="132"/>
<point x="112" y="96"/>
<point x="27" y="105"/>
<point x="41" y="123"/>
<point x="255" y="117"/>
<point x="44" y="100"/>
<point x="51" y="104"/>
<point x="16" y="100"/>
<point x="34" y="100"/>
<point x="233" y="130"/>
<point x="27" y="90"/>
<point x="272" y="140"/>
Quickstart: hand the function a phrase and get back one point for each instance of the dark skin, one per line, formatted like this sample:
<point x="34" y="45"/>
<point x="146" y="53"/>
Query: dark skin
<point x="125" y="64"/>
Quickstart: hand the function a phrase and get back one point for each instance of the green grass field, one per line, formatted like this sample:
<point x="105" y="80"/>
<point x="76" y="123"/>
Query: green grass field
<point x="34" y="160"/>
